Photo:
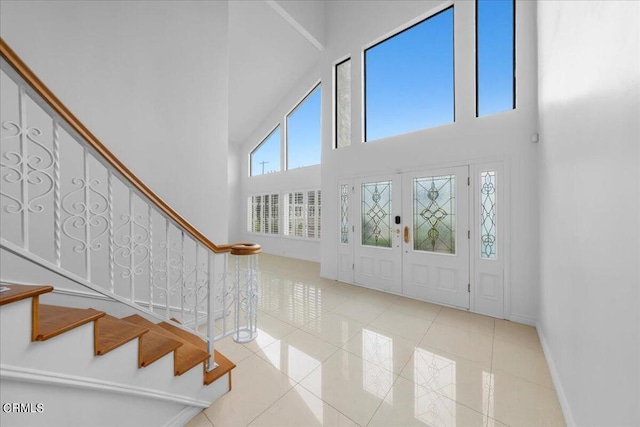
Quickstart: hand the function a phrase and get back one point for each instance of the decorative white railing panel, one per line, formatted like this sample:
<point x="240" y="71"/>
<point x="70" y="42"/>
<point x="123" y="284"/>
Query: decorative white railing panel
<point x="65" y="207"/>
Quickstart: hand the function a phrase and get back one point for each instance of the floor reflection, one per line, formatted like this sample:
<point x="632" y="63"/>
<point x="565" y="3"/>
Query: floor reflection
<point x="434" y="373"/>
<point x="377" y="366"/>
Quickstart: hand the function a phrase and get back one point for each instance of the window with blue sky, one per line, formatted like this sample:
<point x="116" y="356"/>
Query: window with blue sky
<point x="495" y="66"/>
<point x="304" y="140"/>
<point x="409" y="79"/>
<point x="265" y="158"/>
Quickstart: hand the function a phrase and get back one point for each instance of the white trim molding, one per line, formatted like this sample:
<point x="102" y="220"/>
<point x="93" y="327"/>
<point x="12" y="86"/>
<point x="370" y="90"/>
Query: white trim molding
<point x="562" y="397"/>
<point x="37" y="376"/>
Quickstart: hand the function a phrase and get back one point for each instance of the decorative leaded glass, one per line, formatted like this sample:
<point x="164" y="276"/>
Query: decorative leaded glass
<point x="376" y="214"/>
<point x="434" y="216"/>
<point x="344" y="213"/>
<point x="343" y="104"/>
<point x="488" y="240"/>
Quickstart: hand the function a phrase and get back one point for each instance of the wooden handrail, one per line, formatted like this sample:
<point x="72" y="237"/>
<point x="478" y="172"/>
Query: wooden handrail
<point x="41" y="89"/>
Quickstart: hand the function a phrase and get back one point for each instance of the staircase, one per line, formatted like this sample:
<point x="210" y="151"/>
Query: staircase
<point x="33" y="331"/>
<point x="126" y="337"/>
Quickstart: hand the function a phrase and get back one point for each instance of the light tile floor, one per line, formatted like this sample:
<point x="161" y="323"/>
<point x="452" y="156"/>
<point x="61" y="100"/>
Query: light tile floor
<point x="340" y="355"/>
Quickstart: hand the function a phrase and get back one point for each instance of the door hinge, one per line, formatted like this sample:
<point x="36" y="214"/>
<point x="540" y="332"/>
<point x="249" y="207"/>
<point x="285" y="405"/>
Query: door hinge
<point x="469" y="234"/>
<point x="353" y="228"/>
<point x="353" y="266"/>
<point x="468" y="180"/>
<point x="469" y="287"/>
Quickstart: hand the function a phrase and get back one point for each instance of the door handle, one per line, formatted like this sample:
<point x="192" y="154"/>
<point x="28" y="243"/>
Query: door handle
<point x="406" y="234"/>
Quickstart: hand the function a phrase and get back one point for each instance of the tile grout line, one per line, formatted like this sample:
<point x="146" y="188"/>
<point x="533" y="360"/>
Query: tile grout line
<point x="492" y="378"/>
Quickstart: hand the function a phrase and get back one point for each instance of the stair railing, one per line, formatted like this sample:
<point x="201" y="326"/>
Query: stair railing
<point x="69" y="205"/>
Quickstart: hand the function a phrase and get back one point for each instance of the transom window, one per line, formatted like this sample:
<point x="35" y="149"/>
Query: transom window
<point x="304" y="136"/>
<point x="409" y="79"/>
<point x="265" y="158"/>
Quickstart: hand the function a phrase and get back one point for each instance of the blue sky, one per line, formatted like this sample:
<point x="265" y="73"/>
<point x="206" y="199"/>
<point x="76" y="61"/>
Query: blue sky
<point x="303" y="128"/>
<point x="409" y="85"/>
<point x="269" y="153"/>
<point x="409" y="79"/>
<point x="495" y="56"/>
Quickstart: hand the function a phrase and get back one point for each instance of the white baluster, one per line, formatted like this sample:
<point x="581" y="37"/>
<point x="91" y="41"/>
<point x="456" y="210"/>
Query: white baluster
<point x="211" y="364"/>
<point x="24" y="169"/>
<point x="150" y="259"/>
<point x="112" y="282"/>
<point x="236" y="326"/>
<point x="183" y="278"/>
<point x="87" y="213"/>
<point x="167" y="271"/>
<point x="195" y="288"/>
<point x="132" y="256"/>
<point x="57" y="223"/>
<point x="225" y="278"/>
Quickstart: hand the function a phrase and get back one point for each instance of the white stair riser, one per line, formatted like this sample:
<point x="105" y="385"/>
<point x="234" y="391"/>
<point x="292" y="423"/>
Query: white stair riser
<point x="119" y="366"/>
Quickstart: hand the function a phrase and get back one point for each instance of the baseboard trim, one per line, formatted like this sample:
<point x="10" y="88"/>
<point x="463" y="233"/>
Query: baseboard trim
<point x="16" y="373"/>
<point x="562" y="397"/>
<point x="522" y="319"/>
<point x="183" y="417"/>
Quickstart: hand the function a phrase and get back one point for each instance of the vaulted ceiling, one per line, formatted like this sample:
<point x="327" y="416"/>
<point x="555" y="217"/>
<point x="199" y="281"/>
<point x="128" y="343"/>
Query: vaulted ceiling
<point x="271" y="46"/>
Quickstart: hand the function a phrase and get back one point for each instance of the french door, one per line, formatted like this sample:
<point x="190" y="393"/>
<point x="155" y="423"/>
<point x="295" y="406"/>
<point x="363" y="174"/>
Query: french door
<point x="435" y="250"/>
<point x="378" y="244"/>
<point x="411" y="234"/>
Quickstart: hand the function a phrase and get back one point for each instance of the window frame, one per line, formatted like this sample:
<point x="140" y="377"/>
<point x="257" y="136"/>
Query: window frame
<point x="285" y="149"/>
<point x="407" y="26"/>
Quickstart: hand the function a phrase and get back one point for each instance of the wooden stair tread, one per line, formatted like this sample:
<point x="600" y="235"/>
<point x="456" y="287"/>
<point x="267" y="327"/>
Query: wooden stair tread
<point x="186" y="356"/>
<point x="111" y="333"/>
<point x="20" y="292"/>
<point x="188" y="337"/>
<point x="53" y="320"/>
<point x="153" y="346"/>
<point x="224" y="365"/>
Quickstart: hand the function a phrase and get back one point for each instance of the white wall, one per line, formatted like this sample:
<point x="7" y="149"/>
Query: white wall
<point x="506" y="137"/>
<point x="589" y="100"/>
<point x="149" y="79"/>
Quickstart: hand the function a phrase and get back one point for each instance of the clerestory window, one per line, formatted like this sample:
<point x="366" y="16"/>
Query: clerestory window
<point x="265" y="158"/>
<point x="409" y="79"/>
<point x="303" y="130"/>
<point x="495" y="56"/>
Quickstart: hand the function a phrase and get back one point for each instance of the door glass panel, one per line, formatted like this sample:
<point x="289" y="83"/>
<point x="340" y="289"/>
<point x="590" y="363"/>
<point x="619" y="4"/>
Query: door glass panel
<point x="344" y="213"/>
<point x="376" y="214"/>
<point x="488" y="214"/>
<point x="434" y="216"/>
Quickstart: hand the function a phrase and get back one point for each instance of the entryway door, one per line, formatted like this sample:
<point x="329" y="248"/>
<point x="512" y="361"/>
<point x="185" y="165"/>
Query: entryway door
<point x="435" y="250"/>
<point x="412" y="234"/>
